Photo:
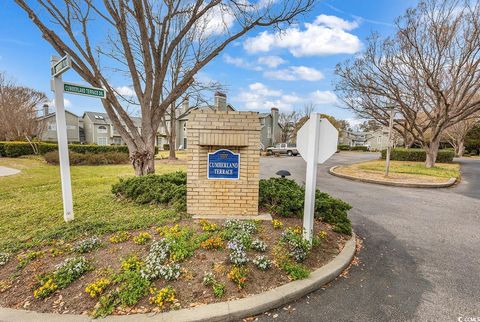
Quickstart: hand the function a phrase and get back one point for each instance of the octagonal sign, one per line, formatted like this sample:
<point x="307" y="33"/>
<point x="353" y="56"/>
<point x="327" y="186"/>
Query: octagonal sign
<point x="327" y="142"/>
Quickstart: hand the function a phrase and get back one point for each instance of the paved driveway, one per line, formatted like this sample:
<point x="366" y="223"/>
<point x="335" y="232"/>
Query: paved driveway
<point x="421" y="255"/>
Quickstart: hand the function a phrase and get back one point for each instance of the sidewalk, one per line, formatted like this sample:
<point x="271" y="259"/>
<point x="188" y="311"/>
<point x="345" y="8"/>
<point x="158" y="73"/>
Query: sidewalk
<point x="4" y="171"/>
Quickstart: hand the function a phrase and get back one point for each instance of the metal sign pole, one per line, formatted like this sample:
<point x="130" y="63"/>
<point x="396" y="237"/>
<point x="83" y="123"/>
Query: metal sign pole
<point x="57" y="86"/>
<point x="311" y="176"/>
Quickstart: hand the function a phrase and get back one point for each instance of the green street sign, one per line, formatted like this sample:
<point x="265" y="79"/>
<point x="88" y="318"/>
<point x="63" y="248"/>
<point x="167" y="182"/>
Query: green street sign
<point x="61" y="66"/>
<point x="83" y="90"/>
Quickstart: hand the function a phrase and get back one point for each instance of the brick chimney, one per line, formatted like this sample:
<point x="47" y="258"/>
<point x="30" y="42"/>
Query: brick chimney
<point x="220" y="101"/>
<point x="185" y="105"/>
<point x="274" y="124"/>
<point x="45" y="109"/>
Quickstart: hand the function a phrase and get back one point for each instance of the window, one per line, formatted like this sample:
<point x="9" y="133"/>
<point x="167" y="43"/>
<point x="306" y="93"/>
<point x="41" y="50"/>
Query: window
<point x="262" y="121"/>
<point x="185" y="127"/>
<point x="71" y="127"/>
<point x="52" y="126"/>
<point x="102" y="141"/>
<point x="269" y="132"/>
<point x="117" y="141"/>
<point x="102" y="129"/>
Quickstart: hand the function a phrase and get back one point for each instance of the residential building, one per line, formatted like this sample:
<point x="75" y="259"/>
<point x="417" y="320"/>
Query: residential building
<point x="99" y="129"/>
<point x="47" y="125"/>
<point x="374" y="140"/>
<point x="271" y="131"/>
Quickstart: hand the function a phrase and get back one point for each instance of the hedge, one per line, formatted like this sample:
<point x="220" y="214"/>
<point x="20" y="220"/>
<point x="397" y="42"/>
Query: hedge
<point x="16" y="149"/>
<point x="90" y="158"/>
<point x="346" y="147"/>
<point x="419" y="155"/>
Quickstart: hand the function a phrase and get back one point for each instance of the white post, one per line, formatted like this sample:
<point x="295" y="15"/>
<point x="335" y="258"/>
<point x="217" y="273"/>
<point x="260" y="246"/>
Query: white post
<point x="63" y="148"/>
<point x="311" y="176"/>
<point x="389" y="148"/>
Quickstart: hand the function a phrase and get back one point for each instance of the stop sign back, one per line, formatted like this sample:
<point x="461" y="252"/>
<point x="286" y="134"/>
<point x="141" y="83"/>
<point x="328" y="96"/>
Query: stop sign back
<point x="327" y="143"/>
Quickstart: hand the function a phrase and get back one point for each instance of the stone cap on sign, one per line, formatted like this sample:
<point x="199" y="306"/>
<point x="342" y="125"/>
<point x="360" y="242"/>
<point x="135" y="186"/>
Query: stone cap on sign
<point x="228" y="139"/>
<point x="225" y="121"/>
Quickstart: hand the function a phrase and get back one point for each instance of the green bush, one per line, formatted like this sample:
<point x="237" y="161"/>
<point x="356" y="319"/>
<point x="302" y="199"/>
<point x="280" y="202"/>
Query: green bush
<point x="343" y="147"/>
<point x="419" y="155"/>
<point x="89" y="158"/>
<point x="166" y="147"/>
<point x="359" y="148"/>
<point x="285" y="197"/>
<point x="16" y="149"/>
<point x="167" y="189"/>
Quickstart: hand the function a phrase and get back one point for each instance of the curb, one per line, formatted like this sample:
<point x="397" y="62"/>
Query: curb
<point x="447" y="184"/>
<point x="223" y="311"/>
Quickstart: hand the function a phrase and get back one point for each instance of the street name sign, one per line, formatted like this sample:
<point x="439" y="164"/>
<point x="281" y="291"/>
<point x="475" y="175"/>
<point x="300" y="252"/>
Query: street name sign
<point x="61" y="65"/>
<point x="223" y="164"/>
<point x="317" y="141"/>
<point x="84" y="90"/>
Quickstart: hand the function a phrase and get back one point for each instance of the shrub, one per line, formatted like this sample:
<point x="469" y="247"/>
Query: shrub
<point x="238" y="275"/>
<point x="166" y="147"/>
<point x="120" y="237"/>
<point x="167" y="189"/>
<point x="16" y="149"/>
<point x="295" y="271"/>
<point x="132" y="287"/>
<point x="162" y="297"/>
<point x="285" y="197"/>
<point x="181" y="240"/>
<point x="418" y="155"/>
<point x="259" y="245"/>
<point x="89" y="158"/>
<point x="87" y="245"/>
<point x="343" y="147"/>
<point x="142" y="238"/>
<point x="98" y="287"/>
<point x="218" y="289"/>
<point x="359" y="148"/>
<point x="262" y="262"/>
<point x="70" y="270"/>
<point x="297" y="247"/>
<point x="4" y="257"/>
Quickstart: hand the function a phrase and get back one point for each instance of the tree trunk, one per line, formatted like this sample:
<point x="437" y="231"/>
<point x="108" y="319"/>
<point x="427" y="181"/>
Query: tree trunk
<point x="431" y="149"/>
<point x="460" y="148"/>
<point x="173" y="134"/>
<point x="143" y="160"/>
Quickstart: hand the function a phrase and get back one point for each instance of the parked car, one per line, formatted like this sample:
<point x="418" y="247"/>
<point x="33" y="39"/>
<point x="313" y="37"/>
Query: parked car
<point x="282" y="148"/>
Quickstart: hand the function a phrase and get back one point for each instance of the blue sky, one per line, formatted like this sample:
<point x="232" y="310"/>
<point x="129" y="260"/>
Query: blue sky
<point x="260" y="71"/>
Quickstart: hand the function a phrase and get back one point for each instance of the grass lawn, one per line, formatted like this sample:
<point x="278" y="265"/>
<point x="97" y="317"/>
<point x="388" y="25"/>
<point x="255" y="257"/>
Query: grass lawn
<point x="31" y="209"/>
<point x="405" y="171"/>
<point x="181" y="155"/>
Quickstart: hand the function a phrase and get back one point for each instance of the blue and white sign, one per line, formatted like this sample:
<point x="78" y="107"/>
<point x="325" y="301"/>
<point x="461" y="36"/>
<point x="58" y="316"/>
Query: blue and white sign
<point x="223" y="164"/>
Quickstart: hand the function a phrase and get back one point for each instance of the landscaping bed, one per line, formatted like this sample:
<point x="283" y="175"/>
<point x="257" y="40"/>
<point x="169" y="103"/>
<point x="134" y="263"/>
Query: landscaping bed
<point x="401" y="171"/>
<point x="207" y="273"/>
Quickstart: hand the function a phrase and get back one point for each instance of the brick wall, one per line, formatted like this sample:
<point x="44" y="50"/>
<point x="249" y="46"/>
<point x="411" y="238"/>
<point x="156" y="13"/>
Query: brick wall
<point x="209" y="131"/>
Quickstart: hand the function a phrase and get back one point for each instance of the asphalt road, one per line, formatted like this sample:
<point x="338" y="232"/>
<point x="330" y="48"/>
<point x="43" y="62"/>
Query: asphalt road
<point x="421" y="250"/>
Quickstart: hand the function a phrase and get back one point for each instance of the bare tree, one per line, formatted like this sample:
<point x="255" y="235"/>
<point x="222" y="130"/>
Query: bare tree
<point x="429" y="71"/>
<point x="456" y="134"/>
<point x="288" y="122"/>
<point x="370" y="126"/>
<point x="18" y="110"/>
<point x="143" y="40"/>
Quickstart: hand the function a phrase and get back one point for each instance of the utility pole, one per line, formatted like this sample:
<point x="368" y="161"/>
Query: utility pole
<point x="389" y="146"/>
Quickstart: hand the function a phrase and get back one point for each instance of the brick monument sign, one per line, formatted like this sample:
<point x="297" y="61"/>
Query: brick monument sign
<point x="223" y="163"/>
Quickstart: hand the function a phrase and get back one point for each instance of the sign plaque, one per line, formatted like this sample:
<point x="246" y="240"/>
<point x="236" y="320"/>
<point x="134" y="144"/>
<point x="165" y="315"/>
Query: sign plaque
<point x="223" y="165"/>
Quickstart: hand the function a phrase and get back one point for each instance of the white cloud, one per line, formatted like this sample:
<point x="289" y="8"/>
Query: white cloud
<point x="66" y="103"/>
<point x="324" y="98"/>
<point x="216" y="21"/>
<point x="125" y="91"/>
<point x="335" y="22"/>
<point x="293" y="73"/>
<point x="259" y="97"/>
<point x="240" y="62"/>
<point x="271" y="61"/>
<point x="326" y="36"/>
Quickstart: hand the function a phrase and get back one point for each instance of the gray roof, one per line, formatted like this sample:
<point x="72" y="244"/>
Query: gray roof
<point x="263" y="115"/>
<point x="102" y="118"/>
<point x="53" y="114"/>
